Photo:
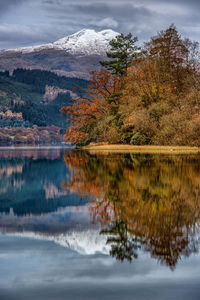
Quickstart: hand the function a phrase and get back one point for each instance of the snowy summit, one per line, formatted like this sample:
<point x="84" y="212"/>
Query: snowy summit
<point x="84" y="42"/>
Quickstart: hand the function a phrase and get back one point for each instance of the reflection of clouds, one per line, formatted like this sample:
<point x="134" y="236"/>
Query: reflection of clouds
<point x="34" y="267"/>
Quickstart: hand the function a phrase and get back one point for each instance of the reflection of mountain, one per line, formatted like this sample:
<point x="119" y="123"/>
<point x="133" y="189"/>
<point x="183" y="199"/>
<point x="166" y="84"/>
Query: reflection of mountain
<point x="85" y="242"/>
<point x="32" y="186"/>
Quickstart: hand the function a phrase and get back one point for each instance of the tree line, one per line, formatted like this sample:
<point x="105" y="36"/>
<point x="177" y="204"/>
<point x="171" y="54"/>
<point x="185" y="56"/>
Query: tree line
<point x="40" y="78"/>
<point x="48" y="135"/>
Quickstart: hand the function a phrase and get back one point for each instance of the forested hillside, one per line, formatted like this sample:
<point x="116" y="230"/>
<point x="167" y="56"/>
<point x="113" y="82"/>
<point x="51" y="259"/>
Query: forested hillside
<point x="34" y="97"/>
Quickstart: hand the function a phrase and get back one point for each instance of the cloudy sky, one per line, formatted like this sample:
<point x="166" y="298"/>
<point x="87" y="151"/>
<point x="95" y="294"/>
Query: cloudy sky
<point x="32" y="22"/>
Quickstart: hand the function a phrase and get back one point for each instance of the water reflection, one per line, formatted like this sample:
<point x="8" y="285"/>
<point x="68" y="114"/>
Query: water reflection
<point x="148" y="202"/>
<point x="30" y="182"/>
<point x="116" y="203"/>
<point x="34" y="153"/>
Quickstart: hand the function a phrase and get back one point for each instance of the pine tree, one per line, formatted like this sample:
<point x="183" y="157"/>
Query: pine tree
<point x="123" y="51"/>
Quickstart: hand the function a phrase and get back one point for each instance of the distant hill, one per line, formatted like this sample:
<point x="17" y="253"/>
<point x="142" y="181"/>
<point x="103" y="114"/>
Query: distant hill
<point x="75" y="55"/>
<point x="38" y="95"/>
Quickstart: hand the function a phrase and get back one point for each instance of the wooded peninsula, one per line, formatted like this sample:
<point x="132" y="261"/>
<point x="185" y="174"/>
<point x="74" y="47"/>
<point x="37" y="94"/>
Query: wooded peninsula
<point x="147" y="95"/>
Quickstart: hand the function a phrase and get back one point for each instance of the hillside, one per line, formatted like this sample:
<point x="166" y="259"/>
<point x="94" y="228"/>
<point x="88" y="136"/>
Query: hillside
<point x="38" y="96"/>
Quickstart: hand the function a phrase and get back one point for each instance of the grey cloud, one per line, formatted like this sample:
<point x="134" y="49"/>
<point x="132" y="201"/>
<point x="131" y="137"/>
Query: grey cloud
<point x="53" y="19"/>
<point x="125" y="10"/>
<point x="106" y="22"/>
<point x="48" y="2"/>
<point x="94" y="8"/>
<point x="180" y="2"/>
<point x="22" y="36"/>
<point x="5" y="5"/>
<point x="98" y="14"/>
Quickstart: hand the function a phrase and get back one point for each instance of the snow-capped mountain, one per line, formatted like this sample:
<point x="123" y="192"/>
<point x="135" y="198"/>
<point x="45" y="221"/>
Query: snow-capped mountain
<point x="84" y="42"/>
<point x="72" y="56"/>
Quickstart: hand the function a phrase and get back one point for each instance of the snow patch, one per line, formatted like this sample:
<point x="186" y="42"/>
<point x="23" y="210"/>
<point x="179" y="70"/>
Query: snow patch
<point x="84" y="42"/>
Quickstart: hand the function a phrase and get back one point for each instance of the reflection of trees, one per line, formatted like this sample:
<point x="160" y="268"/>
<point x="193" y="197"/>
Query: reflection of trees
<point x="141" y="201"/>
<point x="26" y="152"/>
<point x="123" y="246"/>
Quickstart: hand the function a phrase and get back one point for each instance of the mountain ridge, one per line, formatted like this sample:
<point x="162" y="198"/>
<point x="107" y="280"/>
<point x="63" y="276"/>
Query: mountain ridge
<point x="85" y="41"/>
<point x="72" y="56"/>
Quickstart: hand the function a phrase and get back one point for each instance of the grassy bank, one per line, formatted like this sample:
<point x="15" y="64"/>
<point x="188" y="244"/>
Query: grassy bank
<point x="141" y="149"/>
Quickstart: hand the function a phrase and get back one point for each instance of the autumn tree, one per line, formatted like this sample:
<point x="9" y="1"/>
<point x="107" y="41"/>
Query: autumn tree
<point x="161" y="96"/>
<point x="91" y="117"/>
<point x="172" y="55"/>
<point x="30" y="138"/>
<point x="19" y="139"/>
<point x="5" y="139"/>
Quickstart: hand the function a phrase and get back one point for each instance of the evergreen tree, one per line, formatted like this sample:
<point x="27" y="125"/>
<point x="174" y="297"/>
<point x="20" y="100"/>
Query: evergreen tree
<point x="123" y="51"/>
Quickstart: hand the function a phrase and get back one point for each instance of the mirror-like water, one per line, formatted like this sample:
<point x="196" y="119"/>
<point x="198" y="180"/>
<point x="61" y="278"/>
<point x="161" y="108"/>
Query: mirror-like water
<point x="75" y="225"/>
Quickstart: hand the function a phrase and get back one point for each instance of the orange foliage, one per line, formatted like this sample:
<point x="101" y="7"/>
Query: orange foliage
<point x="87" y="111"/>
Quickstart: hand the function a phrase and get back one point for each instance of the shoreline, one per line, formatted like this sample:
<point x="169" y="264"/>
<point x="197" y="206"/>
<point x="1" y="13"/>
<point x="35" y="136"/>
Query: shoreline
<point x="34" y="147"/>
<point x="115" y="148"/>
<point x="120" y="148"/>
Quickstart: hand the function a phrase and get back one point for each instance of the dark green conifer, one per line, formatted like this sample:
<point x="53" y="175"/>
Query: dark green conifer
<point x="123" y="51"/>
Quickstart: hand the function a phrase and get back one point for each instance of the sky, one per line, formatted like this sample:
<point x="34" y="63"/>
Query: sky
<point x="34" y="22"/>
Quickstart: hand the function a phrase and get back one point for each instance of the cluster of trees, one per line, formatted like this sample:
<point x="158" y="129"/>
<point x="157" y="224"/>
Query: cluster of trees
<point x="40" y="78"/>
<point x="12" y="123"/>
<point x="148" y="95"/>
<point x="42" y="114"/>
<point x="9" y="115"/>
<point x="10" y="119"/>
<point x="34" y="113"/>
<point x="30" y="136"/>
<point x="5" y="73"/>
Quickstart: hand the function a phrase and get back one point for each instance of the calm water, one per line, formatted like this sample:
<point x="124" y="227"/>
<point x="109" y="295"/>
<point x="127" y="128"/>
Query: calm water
<point x="75" y="225"/>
